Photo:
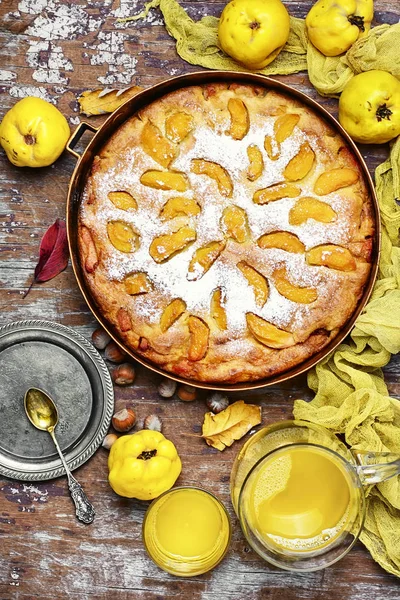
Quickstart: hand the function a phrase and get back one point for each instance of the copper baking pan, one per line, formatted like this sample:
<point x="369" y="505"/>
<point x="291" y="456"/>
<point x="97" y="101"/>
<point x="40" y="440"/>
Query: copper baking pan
<point x="103" y="134"/>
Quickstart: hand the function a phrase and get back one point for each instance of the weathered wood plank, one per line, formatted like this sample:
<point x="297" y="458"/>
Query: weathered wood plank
<point x="57" y="49"/>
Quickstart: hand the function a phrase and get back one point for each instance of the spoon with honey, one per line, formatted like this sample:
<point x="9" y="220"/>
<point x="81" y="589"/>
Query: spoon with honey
<point x="43" y="414"/>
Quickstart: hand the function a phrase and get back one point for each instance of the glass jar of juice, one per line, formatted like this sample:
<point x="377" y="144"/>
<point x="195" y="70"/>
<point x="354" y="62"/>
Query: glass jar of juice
<point x="186" y="531"/>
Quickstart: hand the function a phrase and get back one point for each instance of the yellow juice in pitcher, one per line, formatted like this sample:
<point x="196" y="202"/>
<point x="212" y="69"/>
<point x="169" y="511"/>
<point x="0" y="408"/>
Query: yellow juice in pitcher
<point x="299" y="500"/>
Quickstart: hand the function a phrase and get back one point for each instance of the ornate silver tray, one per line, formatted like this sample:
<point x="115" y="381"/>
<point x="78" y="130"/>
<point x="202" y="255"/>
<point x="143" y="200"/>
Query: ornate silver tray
<point x="64" y="364"/>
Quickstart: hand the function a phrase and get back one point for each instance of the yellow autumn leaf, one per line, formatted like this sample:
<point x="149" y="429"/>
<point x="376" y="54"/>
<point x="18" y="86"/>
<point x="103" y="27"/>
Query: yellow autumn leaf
<point x="100" y="102"/>
<point x="231" y="424"/>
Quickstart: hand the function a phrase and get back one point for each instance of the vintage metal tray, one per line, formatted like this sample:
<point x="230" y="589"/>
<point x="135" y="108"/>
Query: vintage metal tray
<point x="61" y="362"/>
<point x="128" y="109"/>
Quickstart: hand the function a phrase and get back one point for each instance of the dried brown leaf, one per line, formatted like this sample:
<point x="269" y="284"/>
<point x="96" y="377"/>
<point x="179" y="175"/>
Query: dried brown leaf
<point x="231" y="424"/>
<point x="103" y="101"/>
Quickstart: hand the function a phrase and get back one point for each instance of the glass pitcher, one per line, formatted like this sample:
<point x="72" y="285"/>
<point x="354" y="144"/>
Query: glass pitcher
<point x="299" y="493"/>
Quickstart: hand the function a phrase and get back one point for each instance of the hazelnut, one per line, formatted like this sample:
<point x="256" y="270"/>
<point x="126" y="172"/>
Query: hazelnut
<point x="152" y="422"/>
<point x="124" y="419"/>
<point x="187" y="393"/>
<point x="167" y="387"/>
<point x="217" y="402"/>
<point x="109" y="440"/>
<point x="100" y="339"/>
<point x="123" y="374"/>
<point x="114" y="354"/>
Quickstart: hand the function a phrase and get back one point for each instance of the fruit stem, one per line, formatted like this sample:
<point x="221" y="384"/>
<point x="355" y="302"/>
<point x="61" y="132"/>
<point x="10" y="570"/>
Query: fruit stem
<point x="29" y="289"/>
<point x="383" y="112"/>
<point x="357" y="20"/>
<point x="29" y="139"/>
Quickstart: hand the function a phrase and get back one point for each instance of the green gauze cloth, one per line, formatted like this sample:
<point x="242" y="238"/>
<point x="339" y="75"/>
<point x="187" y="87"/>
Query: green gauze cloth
<point x="351" y="397"/>
<point x="197" y="44"/>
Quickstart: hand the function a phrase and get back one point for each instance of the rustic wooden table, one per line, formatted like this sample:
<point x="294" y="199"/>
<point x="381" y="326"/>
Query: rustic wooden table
<point x="56" y="49"/>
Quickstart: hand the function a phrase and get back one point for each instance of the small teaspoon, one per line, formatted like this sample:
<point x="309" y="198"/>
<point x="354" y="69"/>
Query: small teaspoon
<point x="42" y="413"/>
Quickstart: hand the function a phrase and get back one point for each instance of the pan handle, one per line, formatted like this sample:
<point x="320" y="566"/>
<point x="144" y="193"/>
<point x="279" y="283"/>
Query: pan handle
<point x="76" y="136"/>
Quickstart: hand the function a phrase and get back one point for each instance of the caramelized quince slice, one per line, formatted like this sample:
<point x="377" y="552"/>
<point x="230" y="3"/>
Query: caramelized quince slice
<point x="276" y="192"/>
<point x="271" y="148"/>
<point x="199" y="333"/>
<point x="240" y="122"/>
<point x="137" y="283"/>
<point x="269" y="334"/>
<point x="161" y="180"/>
<point x="122" y="236"/>
<point x="90" y="257"/>
<point x="257" y="281"/>
<point x="171" y="313"/>
<point x="311" y="208"/>
<point x="335" y="179"/>
<point x="179" y="207"/>
<point x="123" y="200"/>
<point x="331" y="256"/>
<point x="165" y="246"/>
<point x="124" y="320"/>
<point x="156" y="145"/>
<point x="301" y="164"/>
<point x="284" y="125"/>
<point x="200" y="166"/>
<point x="203" y="259"/>
<point x="256" y="166"/>
<point x="209" y="91"/>
<point x="362" y="249"/>
<point x="218" y="311"/>
<point x="301" y="295"/>
<point x="178" y="126"/>
<point x="282" y="240"/>
<point x="234" y="221"/>
<point x="143" y="344"/>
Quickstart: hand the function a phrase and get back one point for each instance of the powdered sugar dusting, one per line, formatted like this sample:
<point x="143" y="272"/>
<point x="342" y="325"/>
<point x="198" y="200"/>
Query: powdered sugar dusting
<point x="170" y="279"/>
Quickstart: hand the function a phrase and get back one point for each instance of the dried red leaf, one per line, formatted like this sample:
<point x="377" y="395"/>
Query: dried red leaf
<point x="53" y="254"/>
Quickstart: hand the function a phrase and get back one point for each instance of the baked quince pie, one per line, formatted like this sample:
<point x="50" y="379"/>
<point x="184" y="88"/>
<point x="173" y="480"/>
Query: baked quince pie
<point x="226" y="232"/>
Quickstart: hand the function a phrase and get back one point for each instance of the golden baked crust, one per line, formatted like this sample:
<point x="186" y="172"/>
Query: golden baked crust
<point x="226" y="233"/>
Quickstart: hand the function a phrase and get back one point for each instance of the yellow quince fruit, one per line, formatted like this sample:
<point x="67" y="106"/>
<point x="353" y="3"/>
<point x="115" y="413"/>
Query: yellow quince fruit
<point x="369" y="107"/>
<point x="253" y="32"/>
<point x="334" y="25"/>
<point x="33" y="133"/>
<point x="143" y="465"/>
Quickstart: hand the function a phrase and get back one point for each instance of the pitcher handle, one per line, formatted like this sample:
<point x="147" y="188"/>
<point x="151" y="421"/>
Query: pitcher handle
<point x="375" y="467"/>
